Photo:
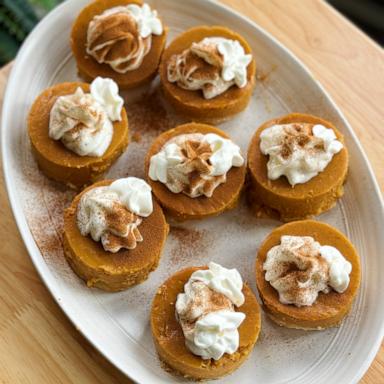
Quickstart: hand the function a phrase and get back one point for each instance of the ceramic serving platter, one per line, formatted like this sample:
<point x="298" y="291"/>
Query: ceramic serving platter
<point x="117" y="324"/>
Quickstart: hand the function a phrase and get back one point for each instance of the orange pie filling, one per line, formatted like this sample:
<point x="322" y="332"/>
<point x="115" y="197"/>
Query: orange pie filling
<point x="77" y="130"/>
<point x="114" y="218"/>
<point x="193" y="164"/>
<point x="216" y="320"/>
<point x="298" y="164"/>
<point x="122" y="39"/>
<point x="211" y="65"/>
<point x="208" y="73"/>
<point x="307" y="275"/>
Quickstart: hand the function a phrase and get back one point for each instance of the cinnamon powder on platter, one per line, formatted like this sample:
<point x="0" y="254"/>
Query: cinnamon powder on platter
<point x="148" y="116"/>
<point x="190" y="246"/>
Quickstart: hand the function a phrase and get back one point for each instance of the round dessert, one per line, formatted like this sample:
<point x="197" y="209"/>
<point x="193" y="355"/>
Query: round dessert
<point x="227" y="332"/>
<point x="114" y="234"/>
<point x="69" y="131"/>
<point x="297" y="164"/>
<point x="195" y="171"/>
<point x="313" y="274"/>
<point x="208" y="73"/>
<point x="119" y="39"/>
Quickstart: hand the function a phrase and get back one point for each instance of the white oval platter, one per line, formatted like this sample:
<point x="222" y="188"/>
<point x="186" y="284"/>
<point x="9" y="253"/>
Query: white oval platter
<point x="117" y="324"/>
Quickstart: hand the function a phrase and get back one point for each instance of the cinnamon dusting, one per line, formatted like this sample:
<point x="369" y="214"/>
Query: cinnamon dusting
<point x="205" y="300"/>
<point x="122" y="229"/>
<point x="296" y="270"/>
<point x="191" y="244"/>
<point x="191" y="67"/>
<point x="193" y="175"/>
<point x="148" y="116"/>
<point x="298" y="135"/>
<point x="114" y="39"/>
<point x="199" y="67"/>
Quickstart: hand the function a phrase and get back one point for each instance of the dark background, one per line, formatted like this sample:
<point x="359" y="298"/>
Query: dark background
<point x="18" y="17"/>
<point x="366" y="14"/>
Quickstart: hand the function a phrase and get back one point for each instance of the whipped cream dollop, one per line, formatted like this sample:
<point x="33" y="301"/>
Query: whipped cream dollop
<point x="299" y="151"/>
<point x="195" y="164"/>
<point x="83" y="121"/>
<point x="299" y="268"/>
<point x="339" y="268"/>
<point x="206" y="311"/>
<point x="213" y="65"/>
<point x="122" y="36"/>
<point x="112" y="214"/>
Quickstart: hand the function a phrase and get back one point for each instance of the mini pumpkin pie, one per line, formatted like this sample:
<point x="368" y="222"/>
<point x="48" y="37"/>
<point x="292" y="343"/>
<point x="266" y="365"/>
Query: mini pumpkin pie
<point x="205" y="322"/>
<point x="78" y="130"/>
<point x="307" y="274"/>
<point x="119" y="39"/>
<point x="297" y="166"/>
<point x="114" y="233"/>
<point x="208" y="73"/>
<point x="195" y="171"/>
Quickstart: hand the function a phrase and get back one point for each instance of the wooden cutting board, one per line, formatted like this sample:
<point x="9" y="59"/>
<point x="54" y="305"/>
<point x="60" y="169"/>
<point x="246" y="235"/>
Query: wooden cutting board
<point x="38" y="344"/>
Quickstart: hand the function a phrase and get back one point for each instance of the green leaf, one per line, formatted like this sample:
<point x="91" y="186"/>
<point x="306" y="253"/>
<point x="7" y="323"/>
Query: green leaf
<point x="17" y="19"/>
<point x="22" y="12"/>
<point x="8" y="47"/>
<point x="11" y="26"/>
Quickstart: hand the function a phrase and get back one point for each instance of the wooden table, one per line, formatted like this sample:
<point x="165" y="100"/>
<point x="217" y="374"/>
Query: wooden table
<point x="38" y="344"/>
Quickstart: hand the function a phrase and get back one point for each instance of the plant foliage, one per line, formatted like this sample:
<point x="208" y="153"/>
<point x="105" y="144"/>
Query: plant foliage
<point x="17" y="19"/>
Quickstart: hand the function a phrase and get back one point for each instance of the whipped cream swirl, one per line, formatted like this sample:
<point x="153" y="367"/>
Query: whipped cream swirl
<point x="299" y="151"/>
<point x="195" y="164"/>
<point x="112" y="214"/>
<point x="213" y="65"/>
<point x="299" y="268"/>
<point x="122" y="36"/>
<point x="83" y="121"/>
<point x="206" y="311"/>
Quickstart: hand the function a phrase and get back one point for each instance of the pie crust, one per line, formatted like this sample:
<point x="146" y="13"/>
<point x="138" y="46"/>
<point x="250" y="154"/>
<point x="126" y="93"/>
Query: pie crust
<point x="303" y="200"/>
<point x="169" y="338"/>
<point x="330" y="308"/>
<point x="192" y="104"/>
<point x="182" y="207"/>
<point x="54" y="159"/>
<point x="89" y="68"/>
<point x="114" y="271"/>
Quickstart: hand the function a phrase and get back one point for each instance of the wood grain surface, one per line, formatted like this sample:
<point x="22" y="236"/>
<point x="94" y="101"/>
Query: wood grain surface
<point x="38" y="344"/>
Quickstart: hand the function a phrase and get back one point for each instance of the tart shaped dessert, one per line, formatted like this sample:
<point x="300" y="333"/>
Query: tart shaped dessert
<point x="297" y="165"/>
<point x="78" y="130"/>
<point x="195" y="171"/>
<point x="208" y="73"/>
<point x="114" y="233"/>
<point x="119" y="39"/>
<point x="307" y="275"/>
<point x="205" y="322"/>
